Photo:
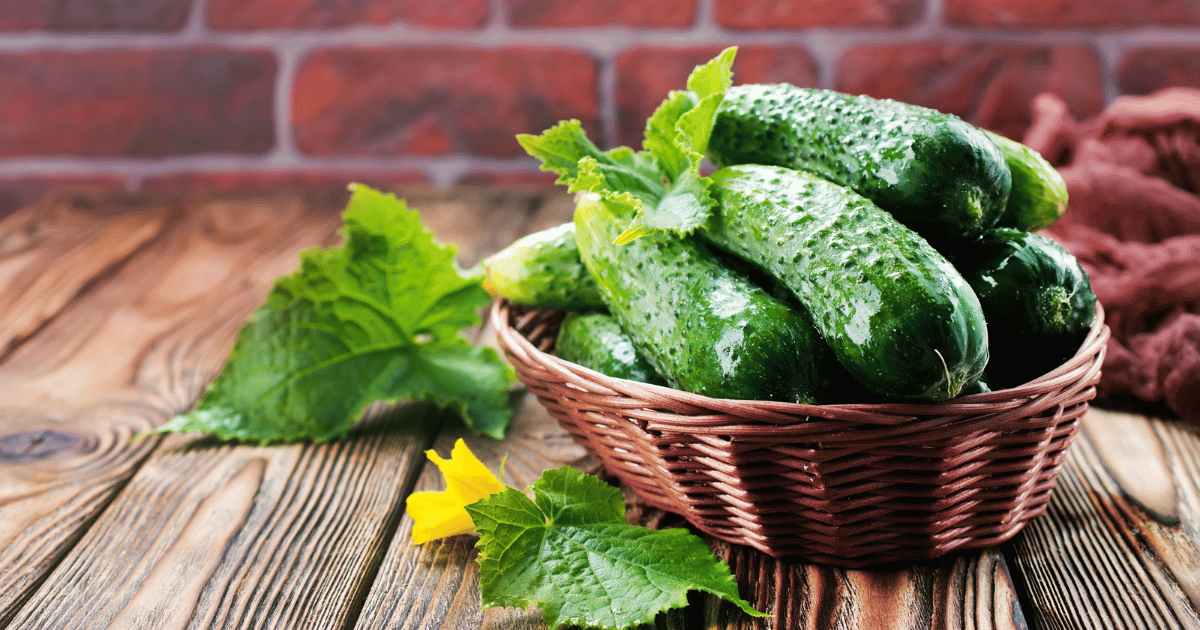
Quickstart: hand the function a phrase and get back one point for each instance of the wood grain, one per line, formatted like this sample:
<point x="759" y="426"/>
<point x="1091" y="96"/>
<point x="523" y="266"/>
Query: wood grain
<point x="211" y="535"/>
<point x="968" y="591"/>
<point x="1119" y="546"/>
<point x="50" y="252"/>
<point x="132" y="341"/>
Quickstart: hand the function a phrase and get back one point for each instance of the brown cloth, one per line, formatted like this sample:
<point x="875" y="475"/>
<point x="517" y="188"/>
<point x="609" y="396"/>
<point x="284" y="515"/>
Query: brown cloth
<point x="1133" y="221"/>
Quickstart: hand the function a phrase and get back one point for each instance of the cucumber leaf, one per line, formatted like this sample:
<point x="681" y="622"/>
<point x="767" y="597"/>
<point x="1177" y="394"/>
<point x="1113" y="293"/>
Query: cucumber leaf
<point x="376" y="319"/>
<point x="677" y="135"/>
<point x="570" y="552"/>
<point x="661" y="187"/>
<point x="627" y="178"/>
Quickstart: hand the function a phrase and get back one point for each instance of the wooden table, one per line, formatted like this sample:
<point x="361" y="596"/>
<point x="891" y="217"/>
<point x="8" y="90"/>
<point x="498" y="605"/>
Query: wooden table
<point x="115" y="311"/>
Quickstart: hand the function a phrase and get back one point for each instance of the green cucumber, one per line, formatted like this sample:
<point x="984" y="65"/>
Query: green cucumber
<point x="543" y="269"/>
<point x="596" y="341"/>
<point x="703" y="327"/>
<point x="935" y="173"/>
<point x="898" y="316"/>
<point x="1036" y="297"/>
<point x="1039" y="194"/>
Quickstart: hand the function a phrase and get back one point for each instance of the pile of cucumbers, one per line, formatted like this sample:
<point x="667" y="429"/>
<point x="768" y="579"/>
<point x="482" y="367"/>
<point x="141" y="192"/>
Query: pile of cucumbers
<point x="859" y="250"/>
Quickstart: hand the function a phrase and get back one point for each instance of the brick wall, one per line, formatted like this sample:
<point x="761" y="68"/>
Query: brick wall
<point x="243" y="93"/>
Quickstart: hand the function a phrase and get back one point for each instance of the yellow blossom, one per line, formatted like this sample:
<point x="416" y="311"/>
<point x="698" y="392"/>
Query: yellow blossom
<point x="440" y="514"/>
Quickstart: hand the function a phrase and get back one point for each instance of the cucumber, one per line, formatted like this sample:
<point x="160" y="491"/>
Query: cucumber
<point x="1037" y="299"/>
<point x="543" y="269"/>
<point x="596" y="342"/>
<point x="898" y="316"/>
<point x="1039" y="194"/>
<point x="935" y="173"/>
<point x="703" y="327"/>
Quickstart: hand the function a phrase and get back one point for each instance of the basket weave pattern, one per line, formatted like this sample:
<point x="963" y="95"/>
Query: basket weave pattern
<point x="851" y="485"/>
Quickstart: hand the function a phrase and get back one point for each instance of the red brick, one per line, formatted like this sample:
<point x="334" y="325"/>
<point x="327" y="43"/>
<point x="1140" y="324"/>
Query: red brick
<point x="569" y="13"/>
<point x="137" y="103"/>
<point x="758" y="15"/>
<point x="297" y="14"/>
<point x="93" y="15"/>
<point x="646" y="75"/>
<point x="990" y="85"/>
<point x="20" y="192"/>
<point x="1070" y="13"/>
<point x="1144" y="70"/>
<point x="438" y="100"/>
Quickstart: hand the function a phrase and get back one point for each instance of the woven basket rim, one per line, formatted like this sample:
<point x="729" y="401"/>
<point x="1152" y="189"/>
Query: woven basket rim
<point x="778" y="412"/>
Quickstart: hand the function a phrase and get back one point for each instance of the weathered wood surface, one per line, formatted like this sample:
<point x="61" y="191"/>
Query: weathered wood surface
<point x="115" y="312"/>
<point x="1119" y="546"/>
<point x="140" y="307"/>
<point x="234" y="546"/>
<point x="966" y="591"/>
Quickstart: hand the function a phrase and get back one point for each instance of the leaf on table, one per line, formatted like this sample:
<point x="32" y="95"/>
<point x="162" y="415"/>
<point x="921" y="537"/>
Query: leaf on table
<point x="570" y="551"/>
<point x="376" y="319"/>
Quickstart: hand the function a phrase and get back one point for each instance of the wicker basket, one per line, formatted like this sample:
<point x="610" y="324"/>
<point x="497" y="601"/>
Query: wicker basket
<point x="851" y="485"/>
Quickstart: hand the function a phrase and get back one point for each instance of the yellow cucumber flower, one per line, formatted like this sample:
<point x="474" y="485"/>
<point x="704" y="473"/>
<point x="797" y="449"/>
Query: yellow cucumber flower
<point x="441" y="514"/>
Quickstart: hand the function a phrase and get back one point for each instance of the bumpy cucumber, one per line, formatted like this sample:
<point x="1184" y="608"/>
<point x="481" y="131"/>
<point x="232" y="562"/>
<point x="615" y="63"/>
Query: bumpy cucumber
<point x="705" y="328"/>
<point x="896" y="313"/>
<point x="596" y="341"/>
<point x="935" y="173"/>
<point x="1037" y="299"/>
<point x="1039" y="194"/>
<point x="543" y="269"/>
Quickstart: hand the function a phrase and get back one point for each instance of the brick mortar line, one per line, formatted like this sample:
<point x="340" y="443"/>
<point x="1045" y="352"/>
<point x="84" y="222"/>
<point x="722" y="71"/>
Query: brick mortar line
<point x="195" y="24"/>
<point x="596" y="40"/>
<point x="441" y="170"/>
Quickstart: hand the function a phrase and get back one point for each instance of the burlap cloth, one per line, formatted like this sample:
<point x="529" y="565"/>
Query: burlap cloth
<point x="1133" y="220"/>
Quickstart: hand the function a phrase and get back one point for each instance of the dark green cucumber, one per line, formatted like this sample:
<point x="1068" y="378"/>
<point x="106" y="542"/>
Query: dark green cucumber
<point x="543" y="269"/>
<point x="935" y="173"/>
<point x="596" y="342"/>
<point x="1037" y="299"/>
<point x="1039" y="194"/>
<point x="705" y="328"/>
<point x="895" y="312"/>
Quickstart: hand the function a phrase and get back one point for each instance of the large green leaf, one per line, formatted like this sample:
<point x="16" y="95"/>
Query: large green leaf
<point x="570" y="552"/>
<point x="376" y="319"/>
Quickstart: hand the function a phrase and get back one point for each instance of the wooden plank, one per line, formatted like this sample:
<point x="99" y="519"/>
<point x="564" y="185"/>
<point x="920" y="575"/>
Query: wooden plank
<point x="50" y="252"/>
<point x="128" y="348"/>
<point x="1119" y="546"/>
<point x="284" y="536"/>
<point x="213" y="535"/>
<point x="970" y="590"/>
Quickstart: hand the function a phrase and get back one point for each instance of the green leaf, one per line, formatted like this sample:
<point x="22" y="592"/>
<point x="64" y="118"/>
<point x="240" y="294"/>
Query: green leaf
<point x="661" y="187"/>
<point x="714" y="77"/>
<point x="661" y="133"/>
<point x="376" y="319"/>
<point x="570" y="552"/>
<point x="677" y="135"/>
<point x="682" y="208"/>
